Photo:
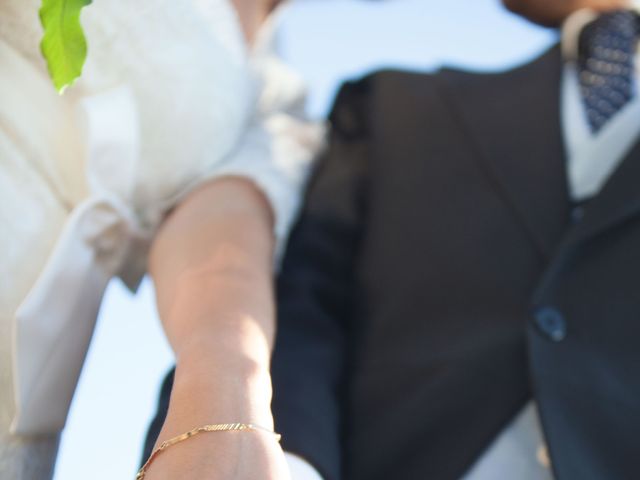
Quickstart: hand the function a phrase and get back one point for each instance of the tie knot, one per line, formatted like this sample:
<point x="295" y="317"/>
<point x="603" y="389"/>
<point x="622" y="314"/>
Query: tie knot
<point x="606" y="54"/>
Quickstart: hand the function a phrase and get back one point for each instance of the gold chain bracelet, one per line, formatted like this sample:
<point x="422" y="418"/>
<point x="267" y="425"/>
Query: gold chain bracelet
<point x="222" y="427"/>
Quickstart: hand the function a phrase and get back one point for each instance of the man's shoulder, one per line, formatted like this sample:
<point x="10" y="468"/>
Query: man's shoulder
<point x="380" y="96"/>
<point x="409" y="82"/>
<point x="399" y="93"/>
<point x="380" y="83"/>
<point x="375" y="103"/>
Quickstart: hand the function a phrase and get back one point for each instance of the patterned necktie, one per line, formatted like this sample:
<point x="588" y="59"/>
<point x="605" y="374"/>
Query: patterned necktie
<point x="606" y="54"/>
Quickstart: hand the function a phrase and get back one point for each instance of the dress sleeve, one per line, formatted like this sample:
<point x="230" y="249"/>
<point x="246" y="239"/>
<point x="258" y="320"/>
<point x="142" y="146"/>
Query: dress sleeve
<point x="236" y="113"/>
<point x="277" y="149"/>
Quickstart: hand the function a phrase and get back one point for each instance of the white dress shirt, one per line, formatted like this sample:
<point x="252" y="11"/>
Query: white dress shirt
<point x="519" y="451"/>
<point x="592" y="158"/>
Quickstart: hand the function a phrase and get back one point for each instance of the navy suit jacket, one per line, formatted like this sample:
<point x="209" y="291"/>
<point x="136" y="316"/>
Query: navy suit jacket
<point x="437" y="280"/>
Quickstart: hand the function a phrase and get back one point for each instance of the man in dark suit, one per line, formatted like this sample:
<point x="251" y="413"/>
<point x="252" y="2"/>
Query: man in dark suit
<point x="469" y="253"/>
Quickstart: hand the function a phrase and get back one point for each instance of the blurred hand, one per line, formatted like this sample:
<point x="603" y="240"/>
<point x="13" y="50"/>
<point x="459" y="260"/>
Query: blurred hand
<point x="300" y="469"/>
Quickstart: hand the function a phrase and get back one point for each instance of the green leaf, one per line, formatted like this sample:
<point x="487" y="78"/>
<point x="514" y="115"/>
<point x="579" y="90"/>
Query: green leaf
<point x="63" y="45"/>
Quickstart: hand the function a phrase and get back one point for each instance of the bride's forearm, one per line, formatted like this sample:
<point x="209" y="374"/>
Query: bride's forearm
<point x="211" y="265"/>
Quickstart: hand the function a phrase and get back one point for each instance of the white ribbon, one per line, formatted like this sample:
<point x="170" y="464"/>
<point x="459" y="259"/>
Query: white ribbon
<point x="55" y="322"/>
<point x="101" y="238"/>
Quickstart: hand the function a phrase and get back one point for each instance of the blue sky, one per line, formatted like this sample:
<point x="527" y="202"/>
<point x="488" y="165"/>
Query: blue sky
<point x="328" y="41"/>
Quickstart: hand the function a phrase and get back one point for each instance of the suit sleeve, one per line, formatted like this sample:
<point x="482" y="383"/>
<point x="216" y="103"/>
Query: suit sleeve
<point x="315" y="292"/>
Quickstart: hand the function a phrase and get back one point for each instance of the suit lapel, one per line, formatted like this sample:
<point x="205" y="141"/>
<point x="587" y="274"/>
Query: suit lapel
<point x="513" y="119"/>
<point x="618" y="201"/>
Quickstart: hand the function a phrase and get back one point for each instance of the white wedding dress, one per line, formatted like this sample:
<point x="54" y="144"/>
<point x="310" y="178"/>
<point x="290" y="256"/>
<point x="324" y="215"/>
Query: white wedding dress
<point x="169" y="98"/>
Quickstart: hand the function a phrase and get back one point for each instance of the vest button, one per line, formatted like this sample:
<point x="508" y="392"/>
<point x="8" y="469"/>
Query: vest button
<point x="551" y="323"/>
<point x="577" y="214"/>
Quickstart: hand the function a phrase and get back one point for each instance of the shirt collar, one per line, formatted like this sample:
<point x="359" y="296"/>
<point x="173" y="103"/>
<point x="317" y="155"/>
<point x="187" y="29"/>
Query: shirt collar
<point x="574" y="24"/>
